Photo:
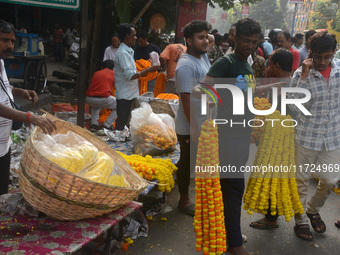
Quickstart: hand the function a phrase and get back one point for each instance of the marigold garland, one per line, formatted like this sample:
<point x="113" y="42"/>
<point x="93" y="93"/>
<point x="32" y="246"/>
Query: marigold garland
<point x="160" y="84"/>
<point x="153" y="169"/>
<point x="209" y="209"/>
<point x="259" y="104"/>
<point x="142" y="64"/>
<point x="274" y="190"/>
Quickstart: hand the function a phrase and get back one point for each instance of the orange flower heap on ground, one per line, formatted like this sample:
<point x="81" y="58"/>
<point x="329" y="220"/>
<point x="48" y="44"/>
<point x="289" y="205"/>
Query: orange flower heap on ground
<point x="209" y="209"/>
<point x="259" y="104"/>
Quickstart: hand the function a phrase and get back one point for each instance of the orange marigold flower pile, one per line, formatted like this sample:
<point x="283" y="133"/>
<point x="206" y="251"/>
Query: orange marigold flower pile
<point x="209" y="209"/>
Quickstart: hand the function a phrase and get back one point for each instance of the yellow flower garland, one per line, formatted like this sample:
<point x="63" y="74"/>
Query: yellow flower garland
<point x="153" y="169"/>
<point x="276" y="149"/>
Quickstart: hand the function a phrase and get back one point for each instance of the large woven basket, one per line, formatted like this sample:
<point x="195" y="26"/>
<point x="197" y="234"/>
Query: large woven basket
<point x="62" y="195"/>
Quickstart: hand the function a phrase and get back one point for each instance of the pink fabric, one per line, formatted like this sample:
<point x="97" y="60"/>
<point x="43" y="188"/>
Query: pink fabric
<point x="28" y="235"/>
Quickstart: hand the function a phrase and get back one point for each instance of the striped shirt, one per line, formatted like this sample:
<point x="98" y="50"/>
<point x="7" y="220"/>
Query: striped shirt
<point x="5" y="124"/>
<point x="322" y="128"/>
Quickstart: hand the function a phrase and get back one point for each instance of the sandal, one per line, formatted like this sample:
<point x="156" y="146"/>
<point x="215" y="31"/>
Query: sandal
<point x="259" y="224"/>
<point x="189" y="210"/>
<point x="337" y="224"/>
<point x="316" y="221"/>
<point x="302" y="230"/>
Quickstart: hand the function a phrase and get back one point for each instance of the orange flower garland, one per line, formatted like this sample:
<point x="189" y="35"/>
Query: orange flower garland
<point x="142" y="64"/>
<point x="209" y="209"/>
<point x="160" y="84"/>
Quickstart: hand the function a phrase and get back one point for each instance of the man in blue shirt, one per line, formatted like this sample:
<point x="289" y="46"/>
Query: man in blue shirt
<point x="126" y="75"/>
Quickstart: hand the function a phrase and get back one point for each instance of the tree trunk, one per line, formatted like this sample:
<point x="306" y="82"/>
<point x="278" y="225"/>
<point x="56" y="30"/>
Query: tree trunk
<point x="95" y="60"/>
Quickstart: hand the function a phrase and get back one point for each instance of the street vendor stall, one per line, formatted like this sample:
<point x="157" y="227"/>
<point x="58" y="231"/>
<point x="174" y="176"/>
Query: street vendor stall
<point x="31" y="235"/>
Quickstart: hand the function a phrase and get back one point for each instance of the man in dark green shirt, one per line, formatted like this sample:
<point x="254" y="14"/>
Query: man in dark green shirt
<point x="234" y="136"/>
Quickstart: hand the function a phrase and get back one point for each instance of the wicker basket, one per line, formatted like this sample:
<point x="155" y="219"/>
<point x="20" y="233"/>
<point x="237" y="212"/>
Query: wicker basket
<point x="62" y="195"/>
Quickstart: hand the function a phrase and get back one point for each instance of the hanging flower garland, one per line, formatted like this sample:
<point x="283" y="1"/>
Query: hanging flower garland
<point x="209" y="209"/>
<point x="273" y="185"/>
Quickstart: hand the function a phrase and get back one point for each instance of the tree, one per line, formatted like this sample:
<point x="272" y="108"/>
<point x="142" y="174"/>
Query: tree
<point x="167" y="8"/>
<point x="270" y="14"/>
<point x="229" y="4"/>
<point x="325" y="13"/>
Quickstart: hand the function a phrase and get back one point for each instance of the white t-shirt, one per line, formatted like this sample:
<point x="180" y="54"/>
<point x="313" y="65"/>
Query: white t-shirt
<point x="189" y="72"/>
<point x="5" y="124"/>
<point x="110" y="53"/>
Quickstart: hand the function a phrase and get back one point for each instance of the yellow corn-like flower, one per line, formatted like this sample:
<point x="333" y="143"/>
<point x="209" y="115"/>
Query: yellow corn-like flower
<point x="276" y="149"/>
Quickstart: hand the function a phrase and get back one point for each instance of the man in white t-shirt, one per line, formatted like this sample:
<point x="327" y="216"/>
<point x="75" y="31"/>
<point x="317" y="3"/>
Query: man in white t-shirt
<point x="7" y="113"/>
<point x="110" y="52"/>
<point x="191" y="69"/>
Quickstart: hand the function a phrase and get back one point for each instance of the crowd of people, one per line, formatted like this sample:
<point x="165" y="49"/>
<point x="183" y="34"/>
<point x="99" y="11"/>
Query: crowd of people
<point x="243" y="54"/>
<point x="241" y="57"/>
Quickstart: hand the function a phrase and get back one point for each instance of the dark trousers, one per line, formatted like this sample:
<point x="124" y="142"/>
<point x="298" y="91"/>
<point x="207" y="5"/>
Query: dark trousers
<point x="233" y="152"/>
<point x="270" y="217"/>
<point x="59" y="52"/>
<point x="186" y="163"/>
<point x="5" y="164"/>
<point x="123" y="113"/>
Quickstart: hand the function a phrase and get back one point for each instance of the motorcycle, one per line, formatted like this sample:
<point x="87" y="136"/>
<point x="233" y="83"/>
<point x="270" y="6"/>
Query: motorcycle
<point x="73" y="57"/>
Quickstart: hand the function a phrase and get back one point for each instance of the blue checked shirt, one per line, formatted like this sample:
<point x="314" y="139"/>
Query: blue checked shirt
<point x="322" y="128"/>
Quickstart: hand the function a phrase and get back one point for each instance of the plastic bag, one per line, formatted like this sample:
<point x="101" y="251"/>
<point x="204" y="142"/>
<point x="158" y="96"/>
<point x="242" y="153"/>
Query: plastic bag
<point x="154" y="58"/>
<point x="152" y="134"/>
<point x="146" y="97"/>
<point x="77" y="155"/>
<point x="69" y="151"/>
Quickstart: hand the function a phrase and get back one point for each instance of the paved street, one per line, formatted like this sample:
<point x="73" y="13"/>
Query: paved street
<point x="176" y="235"/>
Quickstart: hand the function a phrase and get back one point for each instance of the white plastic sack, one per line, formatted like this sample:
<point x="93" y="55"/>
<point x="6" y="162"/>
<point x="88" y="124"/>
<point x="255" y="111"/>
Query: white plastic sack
<point x="154" y="58"/>
<point x="152" y="134"/>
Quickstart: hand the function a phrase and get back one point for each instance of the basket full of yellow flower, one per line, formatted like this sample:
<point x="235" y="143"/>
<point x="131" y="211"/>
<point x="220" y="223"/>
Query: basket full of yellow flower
<point x="78" y="178"/>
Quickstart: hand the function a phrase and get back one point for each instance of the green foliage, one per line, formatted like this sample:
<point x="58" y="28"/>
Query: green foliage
<point x="337" y="21"/>
<point x="229" y="4"/>
<point x="325" y="11"/>
<point x="123" y="11"/>
<point x="270" y="14"/>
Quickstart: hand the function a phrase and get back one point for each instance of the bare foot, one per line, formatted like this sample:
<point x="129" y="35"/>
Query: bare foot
<point x="237" y="251"/>
<point x="184" y="201"/>
<point x="185" y="205"/>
